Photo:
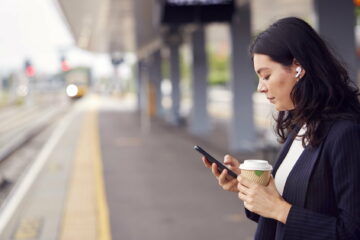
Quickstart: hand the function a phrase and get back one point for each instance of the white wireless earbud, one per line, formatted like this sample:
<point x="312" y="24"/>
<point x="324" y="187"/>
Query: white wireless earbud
<point x="298" y="71"/>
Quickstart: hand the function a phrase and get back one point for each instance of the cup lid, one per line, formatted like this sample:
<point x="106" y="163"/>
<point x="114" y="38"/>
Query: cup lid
<point x="253" y="164"/>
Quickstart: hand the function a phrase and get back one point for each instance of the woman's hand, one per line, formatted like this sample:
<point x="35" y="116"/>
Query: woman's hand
<point x="227" y="182"/>
<point x="263" y="200"/>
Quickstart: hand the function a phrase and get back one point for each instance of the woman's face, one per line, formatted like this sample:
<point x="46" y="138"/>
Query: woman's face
<point x="276" y="81"/>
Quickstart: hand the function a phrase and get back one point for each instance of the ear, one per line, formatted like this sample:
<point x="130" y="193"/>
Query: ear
<point x="295" y="68"/>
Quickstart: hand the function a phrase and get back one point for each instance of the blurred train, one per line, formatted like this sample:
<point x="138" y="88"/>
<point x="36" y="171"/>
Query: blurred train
<point x="77" y="81"/>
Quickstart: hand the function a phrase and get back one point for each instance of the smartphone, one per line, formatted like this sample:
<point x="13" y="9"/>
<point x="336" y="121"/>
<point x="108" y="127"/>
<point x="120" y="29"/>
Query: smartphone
<point x="211" y="159"/>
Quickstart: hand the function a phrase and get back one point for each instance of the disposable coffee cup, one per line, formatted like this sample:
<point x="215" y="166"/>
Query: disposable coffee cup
<point x="258" y="171"/>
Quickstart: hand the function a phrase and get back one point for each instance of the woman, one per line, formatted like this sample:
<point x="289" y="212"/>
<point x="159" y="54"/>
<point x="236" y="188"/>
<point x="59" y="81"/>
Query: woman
<point x="315" y="191"/>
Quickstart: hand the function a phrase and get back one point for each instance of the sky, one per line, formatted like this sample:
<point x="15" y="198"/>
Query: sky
<point x="36" y="30"/>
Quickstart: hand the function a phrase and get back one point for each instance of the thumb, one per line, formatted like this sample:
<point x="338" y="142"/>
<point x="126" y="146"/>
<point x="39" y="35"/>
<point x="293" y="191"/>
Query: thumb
<point x="232" y="163"/>
<point x="271" y="183"/>
<point x="230" y="160"/>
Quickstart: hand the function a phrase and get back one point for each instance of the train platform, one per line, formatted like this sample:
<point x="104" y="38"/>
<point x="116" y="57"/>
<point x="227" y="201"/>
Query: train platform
<point x="104" y="173"/>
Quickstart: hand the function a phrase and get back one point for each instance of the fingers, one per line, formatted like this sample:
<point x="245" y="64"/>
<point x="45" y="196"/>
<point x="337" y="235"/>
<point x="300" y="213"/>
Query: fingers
<point x="232" y="164"/>
<point x="226" y="182"/>
<point x="245" y="182"/>
<point x="242" y="197"/>
<point x="230" y="186"/>
<point x="244" y="190"/>
<point x="215" y="170"/>
<point x="271" y="181"/>
<point x="206" y="162"/>
<point x="246" y="201"/>
<point x="222" y="178"/>
<point x="231" y="161"/>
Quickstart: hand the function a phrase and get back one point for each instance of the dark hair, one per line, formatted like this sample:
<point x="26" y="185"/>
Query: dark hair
<point x="324" y="93"/>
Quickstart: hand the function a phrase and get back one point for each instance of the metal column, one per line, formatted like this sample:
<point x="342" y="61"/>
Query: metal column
<point x="157" y="78"/>
<point x="139" y="82"/>
<point x="199" y="124"/>
<point x="174" y="45"/>
<point x="143" y="92"/>
<point x="242" y="130"/>
<point x="336" y="24"/>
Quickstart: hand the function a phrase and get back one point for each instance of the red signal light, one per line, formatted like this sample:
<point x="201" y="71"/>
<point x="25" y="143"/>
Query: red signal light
<point x="30" y="71"/>
<point x="65" y="66"/>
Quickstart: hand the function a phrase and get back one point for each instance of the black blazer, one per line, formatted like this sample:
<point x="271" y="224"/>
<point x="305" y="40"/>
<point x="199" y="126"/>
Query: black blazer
<point x="323" y="188"/>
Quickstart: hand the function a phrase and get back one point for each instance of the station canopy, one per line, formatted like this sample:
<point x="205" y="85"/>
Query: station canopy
<point x="196" y="11"/>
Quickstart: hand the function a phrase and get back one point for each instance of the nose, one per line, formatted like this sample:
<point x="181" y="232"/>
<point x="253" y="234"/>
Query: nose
<point x="261" y="87"/>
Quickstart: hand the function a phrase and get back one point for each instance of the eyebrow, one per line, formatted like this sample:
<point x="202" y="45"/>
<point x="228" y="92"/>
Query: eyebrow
<point x="261" y="69"/>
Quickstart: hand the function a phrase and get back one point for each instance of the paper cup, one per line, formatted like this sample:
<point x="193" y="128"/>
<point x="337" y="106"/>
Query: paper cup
<point x="257" y="171"/>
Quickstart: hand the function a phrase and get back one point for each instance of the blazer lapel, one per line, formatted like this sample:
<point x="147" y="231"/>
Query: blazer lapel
<point x="298" y="180"/>
<point x="301" y="172"/>
<point x="296" y="185"/>
<point x="284" y="150"/>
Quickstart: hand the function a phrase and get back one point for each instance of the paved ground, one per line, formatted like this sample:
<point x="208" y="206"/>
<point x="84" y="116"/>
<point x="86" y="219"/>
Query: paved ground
<point x="157" y="187"/>
<point x="154" y="183"/>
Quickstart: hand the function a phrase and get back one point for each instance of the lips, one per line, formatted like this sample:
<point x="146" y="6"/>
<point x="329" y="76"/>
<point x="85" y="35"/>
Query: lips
<point x="271" y="99"/>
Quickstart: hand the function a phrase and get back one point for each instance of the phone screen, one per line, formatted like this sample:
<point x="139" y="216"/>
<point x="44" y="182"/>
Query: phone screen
<point x="211" y="159"/>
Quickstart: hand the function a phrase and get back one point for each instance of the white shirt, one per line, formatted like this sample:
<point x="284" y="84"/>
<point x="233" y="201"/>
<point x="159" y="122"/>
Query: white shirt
<point x="289" y="161"/>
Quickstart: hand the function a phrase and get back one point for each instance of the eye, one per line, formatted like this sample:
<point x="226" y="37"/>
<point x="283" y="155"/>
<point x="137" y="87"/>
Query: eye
<point x="266" y="77"/>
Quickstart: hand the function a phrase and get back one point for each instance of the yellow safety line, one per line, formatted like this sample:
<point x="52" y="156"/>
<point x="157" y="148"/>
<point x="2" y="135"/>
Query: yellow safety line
<point x="103" y="211"/>
<point x="86" y="212"/>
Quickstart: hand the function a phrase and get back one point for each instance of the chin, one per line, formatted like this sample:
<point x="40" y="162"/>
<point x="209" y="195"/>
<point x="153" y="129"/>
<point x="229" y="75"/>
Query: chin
<point x="278" y="108"/>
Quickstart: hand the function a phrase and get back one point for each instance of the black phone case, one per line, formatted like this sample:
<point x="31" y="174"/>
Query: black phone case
<point x="211" y="159"/>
